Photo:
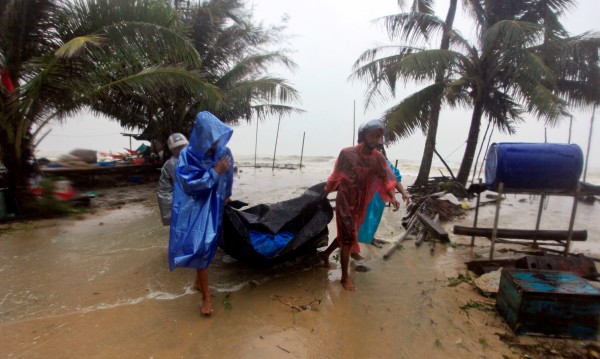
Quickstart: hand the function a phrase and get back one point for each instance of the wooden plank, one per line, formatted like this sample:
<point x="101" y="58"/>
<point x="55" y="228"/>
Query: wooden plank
<point x="531" y="234"/>
<point x="434" y="228"/>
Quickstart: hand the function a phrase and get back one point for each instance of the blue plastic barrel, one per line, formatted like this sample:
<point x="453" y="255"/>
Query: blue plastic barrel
<point x="533" y="167"/>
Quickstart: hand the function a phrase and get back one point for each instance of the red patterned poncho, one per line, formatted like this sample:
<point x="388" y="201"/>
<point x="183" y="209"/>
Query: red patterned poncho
<point x="356" y="178"/>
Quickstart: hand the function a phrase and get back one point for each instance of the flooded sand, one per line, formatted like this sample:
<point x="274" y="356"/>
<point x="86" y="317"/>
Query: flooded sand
<point x="99" y="287"/>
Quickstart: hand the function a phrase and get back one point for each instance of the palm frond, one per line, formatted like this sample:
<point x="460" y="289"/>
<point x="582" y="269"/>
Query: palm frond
<point x="413" y="27"/>
<point x="264" y="111"/>
<point x="412" y="113"/>
<point x="417" y="66"/>
<point x="503" y="111"/>
<point x="154" y="82"/>
<point x="253" y="65"/>
<point x="506" y="35"/>
<point x="545" y="105"/>
<point x="151" y="44"/>
<point x="76" y="46"/>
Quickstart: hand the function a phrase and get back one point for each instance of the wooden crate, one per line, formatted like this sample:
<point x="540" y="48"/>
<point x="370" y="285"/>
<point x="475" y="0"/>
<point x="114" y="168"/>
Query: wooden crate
<point x="552" y="303"/>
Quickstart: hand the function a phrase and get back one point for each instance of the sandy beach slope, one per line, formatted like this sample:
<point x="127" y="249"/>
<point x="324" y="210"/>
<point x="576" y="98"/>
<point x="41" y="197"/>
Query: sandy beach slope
<point x="98" y="286"/>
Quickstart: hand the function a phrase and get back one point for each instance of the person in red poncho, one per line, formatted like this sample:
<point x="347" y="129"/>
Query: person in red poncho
<point x="360" y="171"/>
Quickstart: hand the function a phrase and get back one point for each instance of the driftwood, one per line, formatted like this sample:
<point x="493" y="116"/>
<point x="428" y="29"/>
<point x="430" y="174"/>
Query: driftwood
<point x="540" y="235"/>
<point x="411" y="224"/>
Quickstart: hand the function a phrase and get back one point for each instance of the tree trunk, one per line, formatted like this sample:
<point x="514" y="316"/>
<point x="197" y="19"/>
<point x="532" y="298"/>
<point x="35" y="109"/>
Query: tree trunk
<point x="15" y="158"/>
<point x="432" y="127"/>
<point x="429" y="149"/>
<point x="472" y="139"/>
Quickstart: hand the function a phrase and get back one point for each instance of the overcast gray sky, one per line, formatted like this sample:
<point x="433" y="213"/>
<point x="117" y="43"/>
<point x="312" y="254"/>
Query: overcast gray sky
<point x="328" y="36"/>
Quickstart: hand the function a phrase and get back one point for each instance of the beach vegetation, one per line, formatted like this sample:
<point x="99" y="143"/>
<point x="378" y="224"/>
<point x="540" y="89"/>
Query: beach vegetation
<point x="142" y="63"/>
<point x="520" y="61"/>
<point x="59" y="57"/>
<point x="472" y="304"/>
<point x="49" y="205"/>
<point x="461" y="278"/>
<point x="226" y="302"/>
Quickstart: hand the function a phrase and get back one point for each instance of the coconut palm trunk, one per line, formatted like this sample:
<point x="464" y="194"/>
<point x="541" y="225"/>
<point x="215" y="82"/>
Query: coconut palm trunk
<point x="432" y="127"/>
<point x="470" y="149"/>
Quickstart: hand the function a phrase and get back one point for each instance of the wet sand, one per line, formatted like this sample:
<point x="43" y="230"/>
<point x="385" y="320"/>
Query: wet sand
<point x="98" y="286"/>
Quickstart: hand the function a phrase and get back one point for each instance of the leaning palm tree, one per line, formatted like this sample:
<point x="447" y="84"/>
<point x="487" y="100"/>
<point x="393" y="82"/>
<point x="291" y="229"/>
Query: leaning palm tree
<point x="411" y="24"/>
<point x="500" y="77"/>
<point x="63" y="56"/>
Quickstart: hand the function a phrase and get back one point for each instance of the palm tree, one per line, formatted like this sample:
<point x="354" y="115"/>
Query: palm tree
<point x="64" y="56"/>
<point x="235" y="60"/>
<point x="500" y="77"/>
<point x="418" y="8"/>
<point x="237" y="53"/>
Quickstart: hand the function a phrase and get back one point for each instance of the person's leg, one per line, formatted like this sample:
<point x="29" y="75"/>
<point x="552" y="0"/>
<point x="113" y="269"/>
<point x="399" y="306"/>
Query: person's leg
<point x="345" y="260"/>
<point x="327" y="252"/>
<point x="355" y="253"/>
<point x="202" y="285"/>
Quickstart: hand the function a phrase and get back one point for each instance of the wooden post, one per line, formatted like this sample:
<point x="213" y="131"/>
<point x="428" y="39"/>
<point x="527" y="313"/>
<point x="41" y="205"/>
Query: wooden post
<point x="539" y="215"/>
<point x="302" y="150"/>
<point x="570" y="128"/>
<point x="476" y="214"/>
<point x="354" y="124"/>
<point x="587" y="155"/>
<point x="276" y="138"/>
<point x="572" y="222"/>
<point x="255" y="143"/>
<point x="495" y="229"/>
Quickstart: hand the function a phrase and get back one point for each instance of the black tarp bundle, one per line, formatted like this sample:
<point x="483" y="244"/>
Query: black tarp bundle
<point x="302" y="219"/>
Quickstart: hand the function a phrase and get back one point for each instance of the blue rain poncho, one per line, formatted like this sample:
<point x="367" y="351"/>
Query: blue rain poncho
<point x="199" y="195"/>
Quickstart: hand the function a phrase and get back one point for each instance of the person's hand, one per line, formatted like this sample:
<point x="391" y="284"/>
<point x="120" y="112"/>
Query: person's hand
<point x="395" y="203"/>
<point x="405" y="198"/>
<point x="223" y="165"/>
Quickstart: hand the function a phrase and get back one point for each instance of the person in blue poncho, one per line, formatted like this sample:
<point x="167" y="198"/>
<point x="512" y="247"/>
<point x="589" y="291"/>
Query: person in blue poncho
<point x="203" y="182"/>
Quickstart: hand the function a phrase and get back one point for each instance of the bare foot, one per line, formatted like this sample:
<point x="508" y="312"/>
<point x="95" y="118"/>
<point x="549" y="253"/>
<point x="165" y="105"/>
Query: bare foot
<point x="357" y="256"/>
<point x="206" y="307"/>
<point x="348" y="284"/>
<point x="325" y="258"/>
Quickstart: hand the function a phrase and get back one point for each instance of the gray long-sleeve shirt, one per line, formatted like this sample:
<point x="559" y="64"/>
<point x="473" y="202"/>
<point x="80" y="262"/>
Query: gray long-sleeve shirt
<point x="164" y="192"/>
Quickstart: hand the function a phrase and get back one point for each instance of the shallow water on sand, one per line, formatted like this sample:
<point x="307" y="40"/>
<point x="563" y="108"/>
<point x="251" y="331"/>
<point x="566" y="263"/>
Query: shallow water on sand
<point x="100" y="287"/>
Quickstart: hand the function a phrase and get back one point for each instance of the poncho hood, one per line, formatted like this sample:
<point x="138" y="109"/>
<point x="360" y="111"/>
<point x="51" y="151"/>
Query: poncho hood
<point x="208" y="129"/>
